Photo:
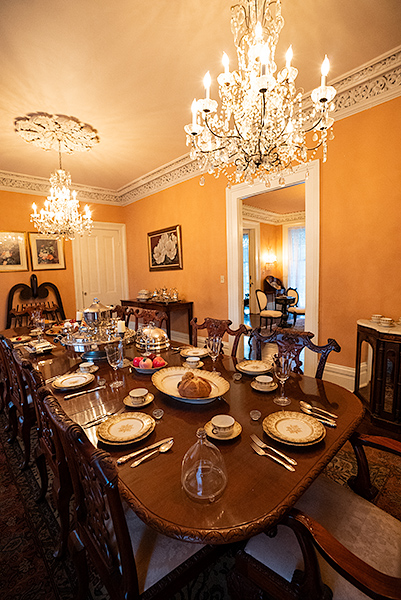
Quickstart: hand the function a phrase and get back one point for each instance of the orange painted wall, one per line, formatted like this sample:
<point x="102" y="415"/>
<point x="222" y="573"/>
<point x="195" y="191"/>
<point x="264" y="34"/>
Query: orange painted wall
<point x="360" y="259"/>
<point x="360" y="225"/>
<point x="15" y="209"/>
<point x="271" y="238"/>
<point x="201" y="212"/>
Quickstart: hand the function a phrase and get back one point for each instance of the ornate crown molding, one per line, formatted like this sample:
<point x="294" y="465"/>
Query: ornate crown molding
<point x="251" y="213"/>
<point x="39" y="186"/>
<point x="368" y="86"/>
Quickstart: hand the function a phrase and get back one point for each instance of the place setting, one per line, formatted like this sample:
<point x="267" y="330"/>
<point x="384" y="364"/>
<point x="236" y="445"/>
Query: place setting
<point x="255" y="367"/>
<point x="125" y="428"/>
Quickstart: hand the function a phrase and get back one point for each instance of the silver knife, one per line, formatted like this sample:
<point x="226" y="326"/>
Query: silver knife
<point x="100" y="387"/>
<point x="126" y="457"/>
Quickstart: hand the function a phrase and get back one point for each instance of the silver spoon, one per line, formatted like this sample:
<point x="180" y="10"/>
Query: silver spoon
<point x="321" y="418"/>
<point x="304" y="404"/>
<point x="163" y="448"/>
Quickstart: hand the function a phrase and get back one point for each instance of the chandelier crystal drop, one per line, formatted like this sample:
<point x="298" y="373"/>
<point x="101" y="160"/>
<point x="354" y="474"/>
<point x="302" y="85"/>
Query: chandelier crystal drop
<point x="262" y="130"/>
<point x="60" y="216"/>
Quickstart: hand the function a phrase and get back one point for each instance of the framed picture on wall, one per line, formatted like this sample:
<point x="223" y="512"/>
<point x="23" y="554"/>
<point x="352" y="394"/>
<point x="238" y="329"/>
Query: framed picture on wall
<point x="165" y="249"/>
<point x="13" y="251"/>
<point x="47" y="252"/>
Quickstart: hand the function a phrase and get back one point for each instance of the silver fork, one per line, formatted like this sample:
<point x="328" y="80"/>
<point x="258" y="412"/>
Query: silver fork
<point x="276" y="459"/>
<point x="101" y="418"/>
<point x="261" y="444"/>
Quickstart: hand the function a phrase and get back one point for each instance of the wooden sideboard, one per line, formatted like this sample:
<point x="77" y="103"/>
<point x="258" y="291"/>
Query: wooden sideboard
<point x="383" y="393"/>
<point x="167" y="307"/>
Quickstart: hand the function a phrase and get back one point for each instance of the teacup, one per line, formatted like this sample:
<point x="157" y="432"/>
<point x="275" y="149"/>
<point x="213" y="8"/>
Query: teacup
<point x="138" y="394"/>
<point x="264" y="380"/>
<point x="376" y="318"/>
<point x="386" y="321"/>
<point x="223" y="425"/>
<point x="86" y="367"/>
<point x="193" y="361"/>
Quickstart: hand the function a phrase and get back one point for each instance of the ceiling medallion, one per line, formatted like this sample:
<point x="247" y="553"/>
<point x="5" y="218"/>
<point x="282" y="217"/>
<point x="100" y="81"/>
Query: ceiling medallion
<point x="61" y="216"/>
<point x="262" y="130"/>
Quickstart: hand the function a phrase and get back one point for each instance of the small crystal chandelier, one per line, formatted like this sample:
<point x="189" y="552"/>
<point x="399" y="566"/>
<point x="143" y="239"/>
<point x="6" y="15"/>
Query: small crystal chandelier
<point x="60" y="216"/>
<point x="262" y="129"/>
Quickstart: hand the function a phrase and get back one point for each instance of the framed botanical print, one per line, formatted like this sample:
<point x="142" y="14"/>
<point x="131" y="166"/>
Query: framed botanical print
<point x="165" y="249"/>
<point x="13" y="251"/>
<point x="47" y="252"/>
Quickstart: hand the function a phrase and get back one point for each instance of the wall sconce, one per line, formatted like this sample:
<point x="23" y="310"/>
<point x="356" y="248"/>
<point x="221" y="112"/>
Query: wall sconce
<point x="269" y="259"/>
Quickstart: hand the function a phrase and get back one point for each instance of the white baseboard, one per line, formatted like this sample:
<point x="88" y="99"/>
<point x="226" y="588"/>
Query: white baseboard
<point x="345" y="376"/>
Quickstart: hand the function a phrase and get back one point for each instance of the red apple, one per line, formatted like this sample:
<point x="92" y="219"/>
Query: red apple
<point x="145" y="363"/>
<point x="136" y="361"/>
<point x="158" y="361"/>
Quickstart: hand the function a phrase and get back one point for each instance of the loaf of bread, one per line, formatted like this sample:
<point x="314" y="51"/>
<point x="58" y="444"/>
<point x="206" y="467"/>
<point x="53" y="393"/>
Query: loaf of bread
<point x="192" y="386"/>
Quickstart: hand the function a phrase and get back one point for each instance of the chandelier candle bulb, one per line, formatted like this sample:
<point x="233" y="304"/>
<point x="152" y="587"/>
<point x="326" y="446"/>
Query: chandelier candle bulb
<point x="288" y="58"/>
<point x="194" y="111"/>
<point x="325" y="70"/>
<point x="207" y="82"/>
<point x="226" y="63"/>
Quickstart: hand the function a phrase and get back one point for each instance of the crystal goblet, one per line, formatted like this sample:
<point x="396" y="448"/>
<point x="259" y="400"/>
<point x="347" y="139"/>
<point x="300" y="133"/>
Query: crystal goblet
<point x="282" y="370"/>
<point x="114" y="353"/>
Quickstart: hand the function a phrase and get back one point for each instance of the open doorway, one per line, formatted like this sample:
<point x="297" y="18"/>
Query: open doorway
<point x="309" y="174"/>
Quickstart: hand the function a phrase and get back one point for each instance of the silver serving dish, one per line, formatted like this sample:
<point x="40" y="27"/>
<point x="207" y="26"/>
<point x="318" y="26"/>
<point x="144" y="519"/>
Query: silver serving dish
<point x="97" y="312"/>
<point x="152" y="339"/>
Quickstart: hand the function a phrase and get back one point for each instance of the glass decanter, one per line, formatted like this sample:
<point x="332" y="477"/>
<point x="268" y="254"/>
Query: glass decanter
<point x="203" y="472"/>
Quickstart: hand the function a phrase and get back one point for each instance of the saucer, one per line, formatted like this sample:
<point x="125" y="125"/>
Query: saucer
<point x="263" y="388"/>
<point x="93" y="369"/>
<point x="235" y="432"/>
<point x="198" y="365"/>
<point x="129" y="401"/>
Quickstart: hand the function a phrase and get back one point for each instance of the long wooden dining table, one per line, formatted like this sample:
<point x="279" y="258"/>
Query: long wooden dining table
<point x="259" y="491"/>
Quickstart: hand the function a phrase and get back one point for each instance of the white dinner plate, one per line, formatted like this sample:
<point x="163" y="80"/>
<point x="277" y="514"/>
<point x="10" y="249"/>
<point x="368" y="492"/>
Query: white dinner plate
<point x="135" y="441"/>
<point x="199" y="352"/>
<point x="166" y="381"/>
<point x="255" y="367"/>
<point x="21" y="339"/>
<point x="124" y="428"/>
<point x="73" y="381"/>
<point x="294" y="428"/>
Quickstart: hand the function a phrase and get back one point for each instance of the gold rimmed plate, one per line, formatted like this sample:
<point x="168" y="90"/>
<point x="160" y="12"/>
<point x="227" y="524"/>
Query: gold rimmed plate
<point x="73" y="381"/>
<point x="254" y="367"/>
<point x="294" y="428"/>
<point x="135" y="441"/>
<point x="124" y="428"/>
<point x="262" y="387"/>
<point x="199" y="352"/>
<point x="167" y="380"/>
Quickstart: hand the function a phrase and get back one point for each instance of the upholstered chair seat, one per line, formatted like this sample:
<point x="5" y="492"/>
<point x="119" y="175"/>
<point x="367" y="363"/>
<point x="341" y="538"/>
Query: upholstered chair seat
<point x="367" y="531"/>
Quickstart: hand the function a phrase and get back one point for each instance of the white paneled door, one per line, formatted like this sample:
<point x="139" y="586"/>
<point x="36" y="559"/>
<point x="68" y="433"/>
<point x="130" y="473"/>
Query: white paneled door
<point x="100" y="265"/>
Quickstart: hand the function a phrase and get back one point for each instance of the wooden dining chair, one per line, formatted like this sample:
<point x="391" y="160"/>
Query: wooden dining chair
<point x="218" y="327"/>
<point x="358" y="545"/>
<point x="292" y="343"/>
<point x="132" y="560"/>
<point x="295" y="309"/>
<point x="146" y="315"/>
<point x="20" y="408"/>
<point x="49" y="453"/>
<point x="4" y="387"/>
<point x="264" y="313"/>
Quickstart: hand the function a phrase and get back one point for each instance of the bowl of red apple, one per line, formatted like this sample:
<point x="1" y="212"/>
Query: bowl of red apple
<point x="148" y="364"/>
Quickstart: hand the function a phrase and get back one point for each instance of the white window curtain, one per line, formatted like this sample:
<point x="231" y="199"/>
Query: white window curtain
<point x="297" y="262"/>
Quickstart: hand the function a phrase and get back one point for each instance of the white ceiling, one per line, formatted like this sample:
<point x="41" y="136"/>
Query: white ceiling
<point x="131" y="69"/>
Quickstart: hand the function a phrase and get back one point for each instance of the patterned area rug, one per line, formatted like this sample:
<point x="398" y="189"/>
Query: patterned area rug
<point x="28" y="570"/>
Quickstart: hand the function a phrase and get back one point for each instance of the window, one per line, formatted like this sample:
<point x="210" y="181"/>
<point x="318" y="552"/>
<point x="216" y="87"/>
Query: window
<point x="297" y="262"/>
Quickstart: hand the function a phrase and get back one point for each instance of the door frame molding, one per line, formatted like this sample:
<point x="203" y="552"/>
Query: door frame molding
<point x="255" y="226"/>
<point x="310" y="175"/>
<point x="76" y="257"/>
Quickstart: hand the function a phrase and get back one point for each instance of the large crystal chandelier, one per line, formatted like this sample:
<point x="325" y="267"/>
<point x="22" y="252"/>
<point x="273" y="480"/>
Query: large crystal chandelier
<point x="61" y="216"/>
<point x="262" y="130"/>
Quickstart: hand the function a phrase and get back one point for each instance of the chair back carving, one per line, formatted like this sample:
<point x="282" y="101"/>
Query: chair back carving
<point x="218" y="327"/>
<point x="146" y="315"/>
<point x="294" y="294"/>
<point x="261" y="299"/>
<point x="292" y="343"/>
<point x="100" y="526"/>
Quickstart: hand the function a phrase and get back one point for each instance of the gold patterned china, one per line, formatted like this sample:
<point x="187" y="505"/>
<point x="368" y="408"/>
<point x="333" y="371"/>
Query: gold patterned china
<point x="199" y="352"/>
<point x="73" y="381"/>
<point x="125" y="428"/>
<point x="132" y="403"/>
<point x="237" y="428"/>
<point x="294" y="428"/>
<point x="262" y="387"/>
<point x="254" y="367"/>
